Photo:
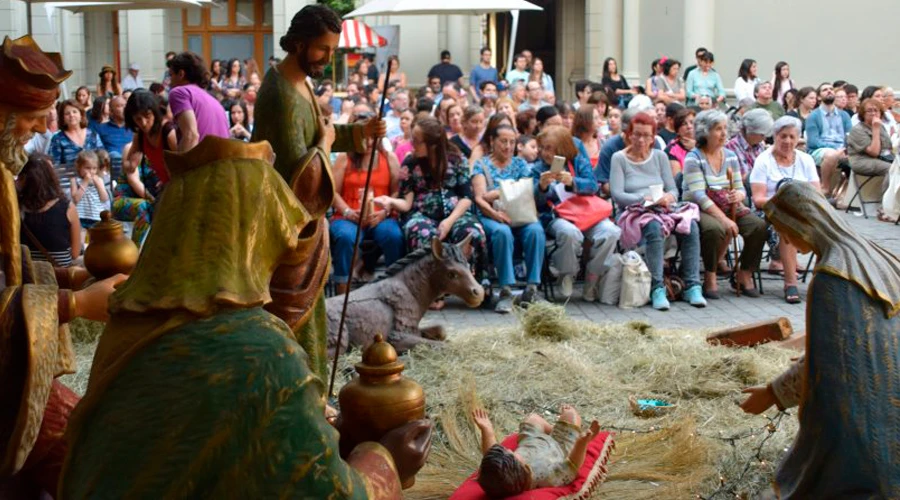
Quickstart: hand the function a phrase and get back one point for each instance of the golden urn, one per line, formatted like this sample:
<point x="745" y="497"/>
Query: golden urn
<point x="380" y="399"/>
<point x="109" y="251"/>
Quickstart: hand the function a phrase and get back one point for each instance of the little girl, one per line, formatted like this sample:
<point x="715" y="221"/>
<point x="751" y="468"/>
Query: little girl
<point x="88" y="192"/>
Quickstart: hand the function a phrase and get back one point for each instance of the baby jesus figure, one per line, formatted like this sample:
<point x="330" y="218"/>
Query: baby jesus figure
<point x="547" y="455"/>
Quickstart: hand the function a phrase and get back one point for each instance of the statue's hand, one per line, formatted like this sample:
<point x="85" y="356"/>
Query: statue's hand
<point x="409" y="446"/>
<point x="93" y="302"/>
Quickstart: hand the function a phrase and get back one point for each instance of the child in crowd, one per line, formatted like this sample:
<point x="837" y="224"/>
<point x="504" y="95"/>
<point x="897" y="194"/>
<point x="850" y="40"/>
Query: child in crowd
<point x="546" y="456"/>
<point x="88" y="191"/>
<point x="527" y="147"/>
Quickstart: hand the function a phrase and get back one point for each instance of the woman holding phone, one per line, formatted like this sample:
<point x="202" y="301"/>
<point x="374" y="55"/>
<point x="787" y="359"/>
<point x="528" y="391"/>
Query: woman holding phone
<point x="560" y="172"/>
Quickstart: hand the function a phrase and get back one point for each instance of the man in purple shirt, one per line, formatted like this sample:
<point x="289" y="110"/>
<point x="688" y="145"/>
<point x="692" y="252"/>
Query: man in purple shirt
<point x="196" y="113"/>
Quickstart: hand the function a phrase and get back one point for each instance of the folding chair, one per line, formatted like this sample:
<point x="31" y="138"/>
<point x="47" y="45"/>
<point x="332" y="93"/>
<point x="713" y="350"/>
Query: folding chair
<point x="857" y="190"/>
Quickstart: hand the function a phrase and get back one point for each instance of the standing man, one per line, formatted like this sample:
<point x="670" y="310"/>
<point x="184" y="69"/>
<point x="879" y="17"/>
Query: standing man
<point x="446" y="70"/>
<point x="519" y="71"/>
<point x="197" y="113"/>
<point x="482" y="72"/>
<point x="133" y="79"/>
<point x="288" y="117"/>
<point x="114" y="134"/>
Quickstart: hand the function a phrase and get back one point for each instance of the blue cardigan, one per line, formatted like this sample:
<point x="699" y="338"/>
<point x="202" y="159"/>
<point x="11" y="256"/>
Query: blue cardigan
<point x="583" y="183"/>
<point x="815" y="124"/>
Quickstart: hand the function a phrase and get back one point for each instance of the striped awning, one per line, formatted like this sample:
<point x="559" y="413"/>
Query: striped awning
<point x="359" y="35"/>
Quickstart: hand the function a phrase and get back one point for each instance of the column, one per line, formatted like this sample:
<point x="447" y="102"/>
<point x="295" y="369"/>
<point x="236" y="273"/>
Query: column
<point x="282" y="13"/>
<point x="699" y="27"/>
<point x="603" y="34"/>
<point x="458" y="40"/>
<point x="631" y="41"/>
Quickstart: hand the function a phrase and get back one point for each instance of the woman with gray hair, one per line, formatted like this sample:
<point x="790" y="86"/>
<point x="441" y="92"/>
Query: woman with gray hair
<point x="712" y="180"/>
<point x="749" y="143"/>
<point x="779" y="164"/>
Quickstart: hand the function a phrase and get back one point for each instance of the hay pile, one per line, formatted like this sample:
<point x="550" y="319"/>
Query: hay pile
<point x="514" y="371"/>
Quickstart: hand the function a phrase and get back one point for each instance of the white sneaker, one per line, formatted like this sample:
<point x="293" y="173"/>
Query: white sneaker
<point x="566" y="285"/>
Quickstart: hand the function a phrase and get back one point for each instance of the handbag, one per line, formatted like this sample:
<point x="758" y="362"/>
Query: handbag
<point x="583" y="211"/>
<point x="516" y="199"/>
<point x="720" y="196"/>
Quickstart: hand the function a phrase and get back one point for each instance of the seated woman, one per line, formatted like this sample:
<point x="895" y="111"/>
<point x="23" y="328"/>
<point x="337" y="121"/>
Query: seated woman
<point x="402" y="144"/>
<point x="435" y="199"/>
<point x="783" y="162"/>
<point x="578" y="178"/>
<point x="634" y="171"/>
<point x="472" y="128"/>
<point x="586" y="129"/>
<point x="870" y="153"/>
<point x="684" y="142"/>
<point x="350" y="172"/>
<point x="239" y="120"/>
<point x="501" y="164"/>
<point x="484" y="147"/>
<point x="50" y="227"/>
<point x="712" y="180"/>
<point x="133" y="198"/>
<point x="153" y="132"/>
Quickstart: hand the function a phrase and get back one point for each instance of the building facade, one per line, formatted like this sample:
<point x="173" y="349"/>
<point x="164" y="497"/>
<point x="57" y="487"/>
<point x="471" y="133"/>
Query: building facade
<point x="821" y="39"/>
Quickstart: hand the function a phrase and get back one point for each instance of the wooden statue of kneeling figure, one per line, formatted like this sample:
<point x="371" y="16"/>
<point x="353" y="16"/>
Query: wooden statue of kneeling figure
<point x="196" y="391"/>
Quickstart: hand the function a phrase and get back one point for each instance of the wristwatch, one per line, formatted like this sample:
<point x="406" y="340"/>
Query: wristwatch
<point x="347" y="212"/>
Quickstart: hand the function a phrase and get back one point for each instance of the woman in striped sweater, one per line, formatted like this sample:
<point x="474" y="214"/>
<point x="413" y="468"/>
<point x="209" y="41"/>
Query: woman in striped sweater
<point x="706" y="183"/>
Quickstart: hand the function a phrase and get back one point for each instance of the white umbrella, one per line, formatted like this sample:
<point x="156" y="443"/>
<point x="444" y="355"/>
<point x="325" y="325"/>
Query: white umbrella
<point x="459" y="7"/>
<point x="108" y="6"/>
<point x="424" y="7"/>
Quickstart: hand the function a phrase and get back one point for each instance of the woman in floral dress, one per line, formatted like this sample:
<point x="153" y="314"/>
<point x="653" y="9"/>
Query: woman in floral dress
<point x="436" y="204"/>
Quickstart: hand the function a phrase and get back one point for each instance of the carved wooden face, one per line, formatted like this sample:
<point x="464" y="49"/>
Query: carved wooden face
<point x="17" y="129"/>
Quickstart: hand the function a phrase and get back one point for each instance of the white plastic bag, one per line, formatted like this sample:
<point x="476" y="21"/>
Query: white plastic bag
<point x="890" y="203"/>
<point x="517" y="200"/>
<point x="635" y="282"/>
<point x="610" y="285"/>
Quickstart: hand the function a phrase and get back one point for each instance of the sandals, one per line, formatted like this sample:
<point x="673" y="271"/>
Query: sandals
<point x="791" y="295"/>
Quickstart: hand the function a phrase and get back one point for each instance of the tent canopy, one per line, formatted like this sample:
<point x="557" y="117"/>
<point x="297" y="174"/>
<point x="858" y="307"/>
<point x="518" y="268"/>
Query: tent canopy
<point x="425" y="7"/>
<point x="108" y="6"/>
<point x="359" y="35"/>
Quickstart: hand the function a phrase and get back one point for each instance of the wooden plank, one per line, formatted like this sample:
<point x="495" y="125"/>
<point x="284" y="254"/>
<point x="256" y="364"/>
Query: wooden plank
<point x="753" y="334"/>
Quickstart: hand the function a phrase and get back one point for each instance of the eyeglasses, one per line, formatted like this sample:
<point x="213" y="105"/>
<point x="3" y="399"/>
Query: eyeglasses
<point x="643" y="137"/>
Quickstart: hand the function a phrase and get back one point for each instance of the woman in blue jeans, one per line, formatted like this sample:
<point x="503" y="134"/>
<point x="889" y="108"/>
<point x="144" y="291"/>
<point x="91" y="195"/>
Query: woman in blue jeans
<point x="502" y="164"/>
<point x="633" y="171"/>
<point x="377" y="224"/>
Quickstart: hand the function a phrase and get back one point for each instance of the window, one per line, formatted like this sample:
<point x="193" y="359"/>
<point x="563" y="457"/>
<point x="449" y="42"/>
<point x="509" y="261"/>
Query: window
<point x="230" y="29"/>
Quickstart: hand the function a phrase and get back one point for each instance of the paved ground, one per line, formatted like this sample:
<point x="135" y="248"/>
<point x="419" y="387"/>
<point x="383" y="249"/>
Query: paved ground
<point x="729" y="311"/>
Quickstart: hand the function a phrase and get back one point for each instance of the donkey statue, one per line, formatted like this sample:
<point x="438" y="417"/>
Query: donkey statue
<point x="394" y="305"/>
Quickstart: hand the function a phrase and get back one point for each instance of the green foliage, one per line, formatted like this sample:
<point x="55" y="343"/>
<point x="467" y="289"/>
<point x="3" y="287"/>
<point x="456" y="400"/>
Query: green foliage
<point x="343" y="7"/>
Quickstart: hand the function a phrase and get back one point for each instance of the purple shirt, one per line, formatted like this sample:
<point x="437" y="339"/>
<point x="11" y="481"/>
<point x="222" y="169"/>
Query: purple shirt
<point x="210" y="115"/>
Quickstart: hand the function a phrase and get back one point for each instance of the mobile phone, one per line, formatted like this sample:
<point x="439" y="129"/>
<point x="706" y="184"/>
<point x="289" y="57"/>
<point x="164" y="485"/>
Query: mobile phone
<point x="558" y="163"/>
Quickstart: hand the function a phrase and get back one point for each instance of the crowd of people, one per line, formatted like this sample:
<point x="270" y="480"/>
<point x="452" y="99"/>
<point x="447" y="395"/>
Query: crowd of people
<point x="535" y="181"/>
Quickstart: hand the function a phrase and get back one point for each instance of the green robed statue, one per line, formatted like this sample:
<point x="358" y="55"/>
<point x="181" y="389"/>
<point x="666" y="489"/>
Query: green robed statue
<point x="288" y="116"/>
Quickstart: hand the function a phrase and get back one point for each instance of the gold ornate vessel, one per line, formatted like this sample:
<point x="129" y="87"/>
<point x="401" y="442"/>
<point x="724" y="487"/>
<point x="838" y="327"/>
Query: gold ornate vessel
<point x="380" y="399"/>
<point x="109" y="251"/>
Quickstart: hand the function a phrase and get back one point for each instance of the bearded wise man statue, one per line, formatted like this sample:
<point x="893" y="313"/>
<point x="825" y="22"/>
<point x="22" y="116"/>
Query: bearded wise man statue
<point x="36" y="300"/>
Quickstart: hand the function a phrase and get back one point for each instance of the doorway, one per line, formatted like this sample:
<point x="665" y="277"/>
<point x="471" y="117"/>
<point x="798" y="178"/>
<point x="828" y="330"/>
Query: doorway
<point x="537" y="33"/>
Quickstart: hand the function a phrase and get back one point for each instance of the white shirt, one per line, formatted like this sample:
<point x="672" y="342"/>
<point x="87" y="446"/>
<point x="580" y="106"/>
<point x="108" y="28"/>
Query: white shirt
<point x="39" y="143"/>
<point x="744" y="89"/>
<point x="767" y="171"/>
<point x="131" y="83"/>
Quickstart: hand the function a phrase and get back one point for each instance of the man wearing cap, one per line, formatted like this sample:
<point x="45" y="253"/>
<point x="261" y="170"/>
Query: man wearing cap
<point x="133" y="79"/>
<point x="446" y="70"/>
<point x="35" y="346"/>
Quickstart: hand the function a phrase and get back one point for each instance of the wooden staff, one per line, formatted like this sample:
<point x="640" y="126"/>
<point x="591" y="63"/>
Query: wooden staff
<point x="733" y="216"/>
